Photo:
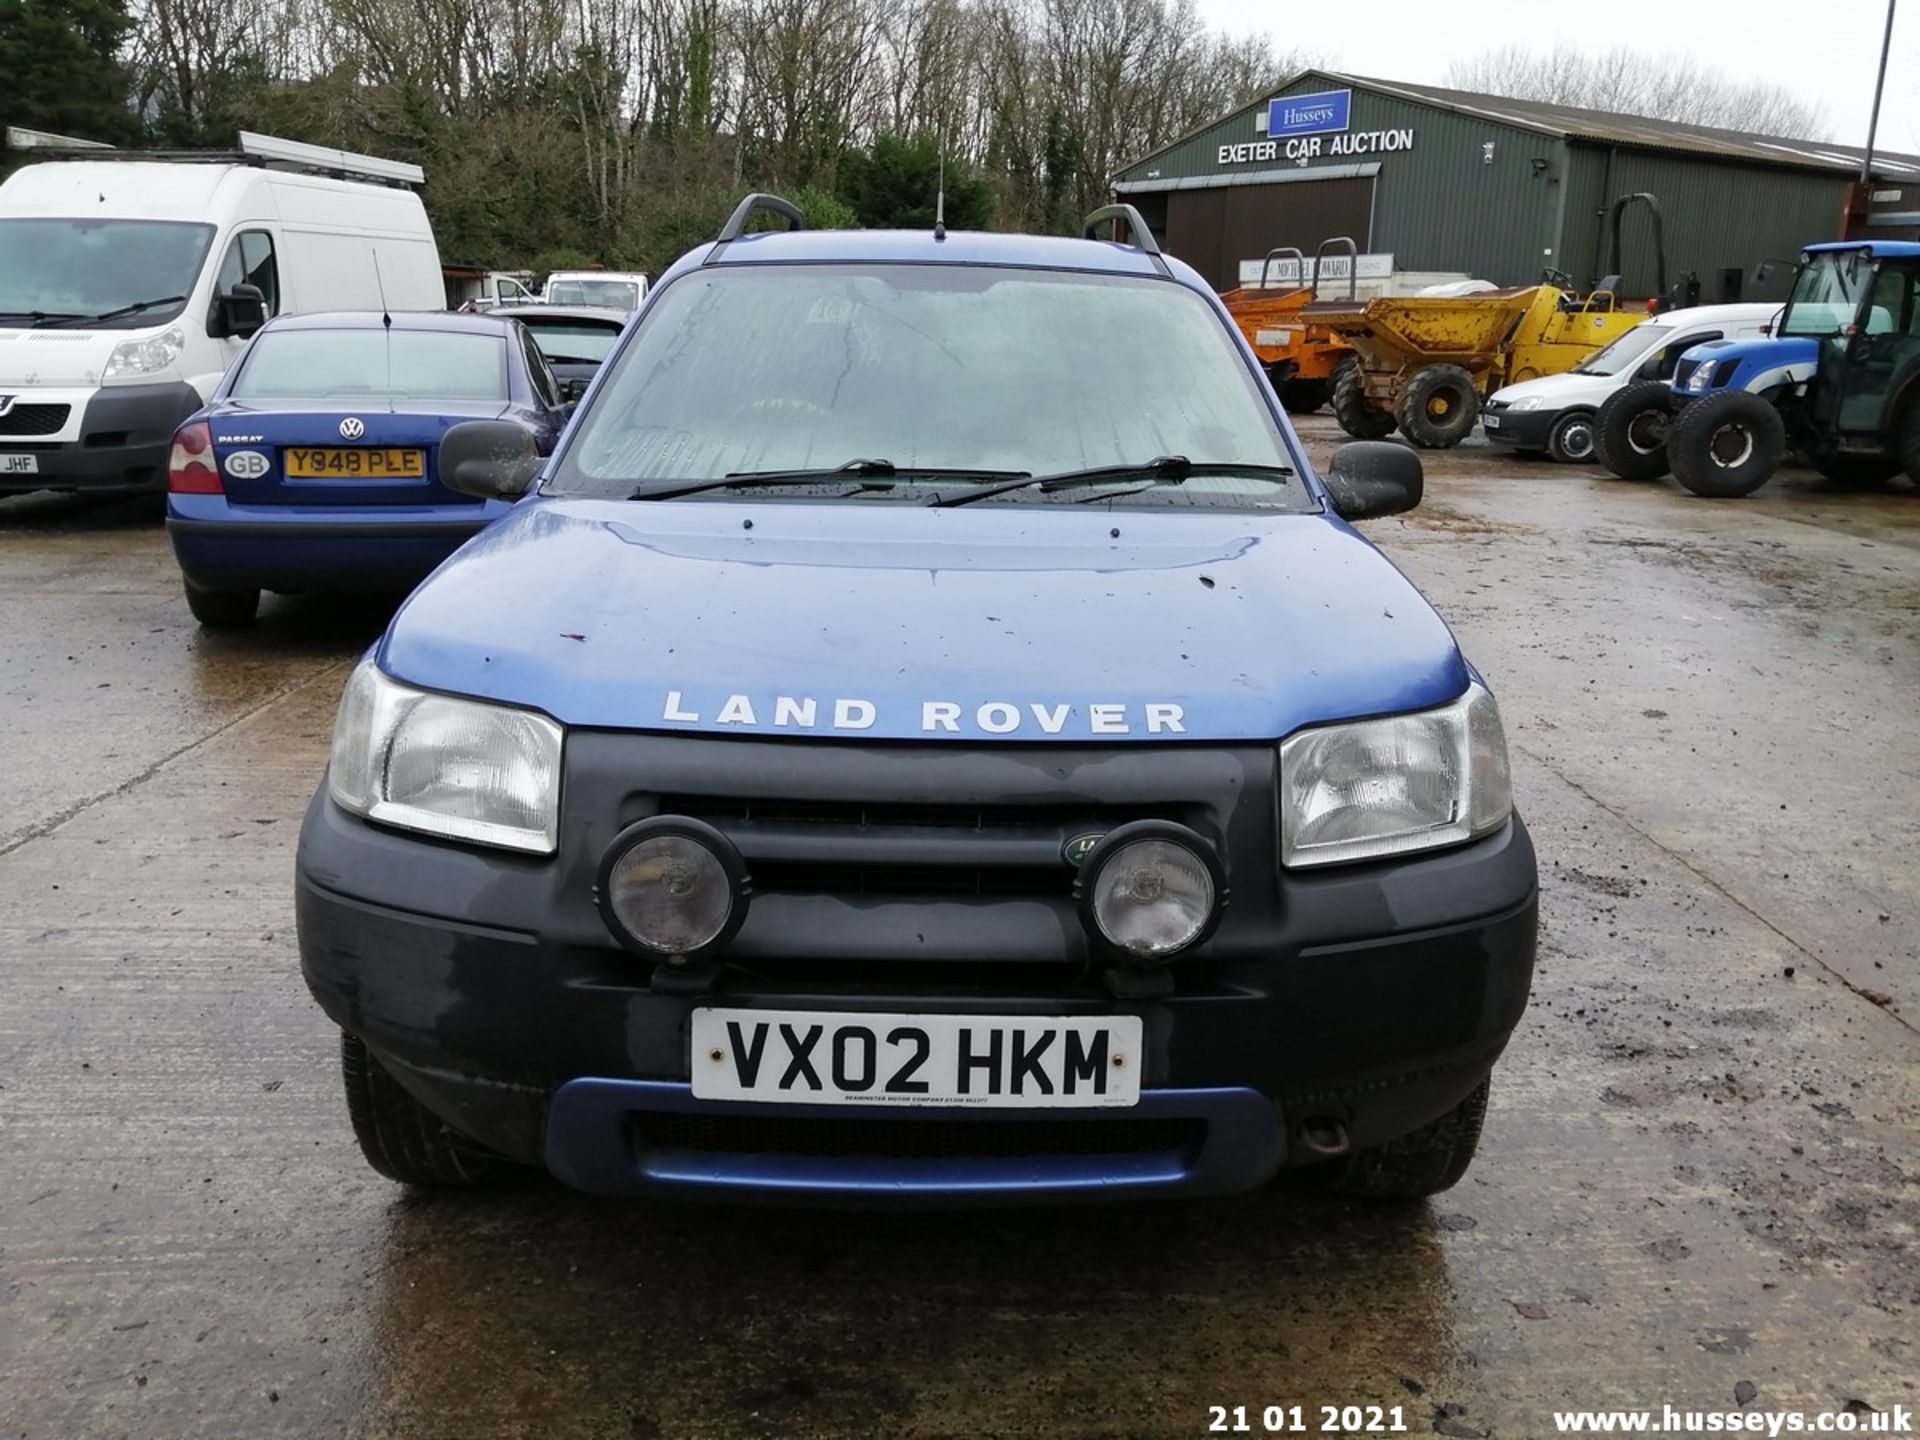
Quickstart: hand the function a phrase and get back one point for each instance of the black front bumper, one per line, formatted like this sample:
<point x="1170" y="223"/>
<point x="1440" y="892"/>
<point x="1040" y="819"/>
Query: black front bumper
<point x="125" y="437"/>
<point x="1378" y="995"/>
<point x="1521" y="429"/>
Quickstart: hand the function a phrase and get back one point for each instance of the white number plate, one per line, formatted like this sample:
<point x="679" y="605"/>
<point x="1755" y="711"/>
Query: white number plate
<point x="19" y="464"/>
<point x="818" y="1057"/>
<point x="1492" y="421"/>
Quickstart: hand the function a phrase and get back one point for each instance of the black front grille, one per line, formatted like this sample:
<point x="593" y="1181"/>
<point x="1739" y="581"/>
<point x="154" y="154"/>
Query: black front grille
<point x="866" y="848"/>
<point x="916" y="1138"/>
<point x="34" y="419"/>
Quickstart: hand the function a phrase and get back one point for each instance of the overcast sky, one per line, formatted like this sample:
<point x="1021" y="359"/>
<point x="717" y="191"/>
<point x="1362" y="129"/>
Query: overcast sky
<point x="1824" y="52"/>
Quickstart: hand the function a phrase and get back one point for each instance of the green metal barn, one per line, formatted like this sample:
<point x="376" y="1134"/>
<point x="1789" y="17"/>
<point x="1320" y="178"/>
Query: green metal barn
<point x="1434" y="181"/>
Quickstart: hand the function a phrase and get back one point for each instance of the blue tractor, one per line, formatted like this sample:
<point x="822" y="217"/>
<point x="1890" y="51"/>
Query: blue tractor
<point x="1838" y="379"/>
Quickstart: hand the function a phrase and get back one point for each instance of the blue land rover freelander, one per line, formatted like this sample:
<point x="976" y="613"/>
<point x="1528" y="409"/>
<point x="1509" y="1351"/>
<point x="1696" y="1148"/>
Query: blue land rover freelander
<point x="926" y="735"/>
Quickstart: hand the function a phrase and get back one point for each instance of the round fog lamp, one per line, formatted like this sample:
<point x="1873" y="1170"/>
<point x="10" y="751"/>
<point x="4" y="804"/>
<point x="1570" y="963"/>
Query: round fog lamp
<point x="672" y="888"/>
<point x="1151" y="890"/>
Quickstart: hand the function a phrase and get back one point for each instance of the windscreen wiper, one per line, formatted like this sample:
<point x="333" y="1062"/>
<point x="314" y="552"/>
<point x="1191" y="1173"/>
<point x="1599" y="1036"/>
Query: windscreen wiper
<point x="871" y="475"/>
<point x="125" y="310"/>
<point x="38" y="317"/>
<point x="1162" y="470"/>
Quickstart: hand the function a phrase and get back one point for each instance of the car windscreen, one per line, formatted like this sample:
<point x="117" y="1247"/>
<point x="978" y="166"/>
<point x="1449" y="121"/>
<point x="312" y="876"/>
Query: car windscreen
<point x="579" y="342"/>
<point x="410" y="364"/>
<point x="616" y="294"/>
<point x="753" y="368"/>
<point x="70" y="271"/>
<point x="1626" y="352"/>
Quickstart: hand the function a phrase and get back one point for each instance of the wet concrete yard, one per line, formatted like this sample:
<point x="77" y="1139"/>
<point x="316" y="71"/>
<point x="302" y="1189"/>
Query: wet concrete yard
<point x="1701" y="1176"/>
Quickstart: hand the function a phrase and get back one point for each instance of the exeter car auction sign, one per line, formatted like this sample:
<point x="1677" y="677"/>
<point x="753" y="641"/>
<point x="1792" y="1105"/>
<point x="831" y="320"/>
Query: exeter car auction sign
<point x="1304" y="128"/>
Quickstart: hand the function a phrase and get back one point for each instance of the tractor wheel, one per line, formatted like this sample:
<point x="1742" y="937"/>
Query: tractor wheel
<point x="1358" y="415"/>
<point x="1727" y="444"/>
<point x="1630" y="432"/>
<point x="1303" y="397"/>
<point x="1849" y="472"/>
<point x="1907" y="443"/>
<point x="1437" y="406"/>
<point x="1571" y="439"/>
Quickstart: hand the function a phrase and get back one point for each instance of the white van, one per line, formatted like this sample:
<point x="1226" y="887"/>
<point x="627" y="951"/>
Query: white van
<point x="609" y="289"/>
<point x="1555" y="413"/>
<point x="127" y="286"/>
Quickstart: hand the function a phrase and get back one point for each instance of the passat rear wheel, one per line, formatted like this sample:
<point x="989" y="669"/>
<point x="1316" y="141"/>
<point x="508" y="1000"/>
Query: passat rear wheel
<point x="219" y="609"/>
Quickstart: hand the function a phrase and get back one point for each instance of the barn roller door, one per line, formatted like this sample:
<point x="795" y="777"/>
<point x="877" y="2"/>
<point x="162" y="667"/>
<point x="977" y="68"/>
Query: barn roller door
<point x="1213" y="230"/>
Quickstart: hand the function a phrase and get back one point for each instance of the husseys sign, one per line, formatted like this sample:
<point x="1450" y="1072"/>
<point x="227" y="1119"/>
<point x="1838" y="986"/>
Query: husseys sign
<point x="1305" y="128"/>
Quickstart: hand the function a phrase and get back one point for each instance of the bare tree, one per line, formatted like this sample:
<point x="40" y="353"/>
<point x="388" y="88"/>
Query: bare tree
<point x="1636" y="82"/>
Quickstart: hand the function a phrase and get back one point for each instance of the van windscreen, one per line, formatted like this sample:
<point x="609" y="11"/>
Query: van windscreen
<point x="108" y="272"/>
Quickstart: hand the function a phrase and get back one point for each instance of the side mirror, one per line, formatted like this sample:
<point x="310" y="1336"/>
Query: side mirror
<point x="239" y="312"/>
<point x="1762" y="272"/>
<point x="1371" y="478"/>
<point x="491" y="459"/>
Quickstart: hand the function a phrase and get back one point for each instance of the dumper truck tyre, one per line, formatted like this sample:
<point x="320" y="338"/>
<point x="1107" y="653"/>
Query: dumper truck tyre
<point x="1571" y="439"/>
<point x="1419" y="1164"/>
<point x="1726" y="445"/>
<point x="1358" y="415"/>
<point x="1630" y="432"/>
<point x="1437" y="407"/>
<point x="1303" y="397"/>
<point x="400" y="1137"/>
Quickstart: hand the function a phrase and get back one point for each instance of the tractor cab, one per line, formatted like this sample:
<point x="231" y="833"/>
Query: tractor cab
<point x="1861" y="303"/>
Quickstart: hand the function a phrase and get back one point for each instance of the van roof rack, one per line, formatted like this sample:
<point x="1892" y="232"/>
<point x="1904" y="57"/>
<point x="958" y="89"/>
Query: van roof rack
<point x="744" y="212"/>
<point x="1139" y="232"/>
<point x="267" y="151"/>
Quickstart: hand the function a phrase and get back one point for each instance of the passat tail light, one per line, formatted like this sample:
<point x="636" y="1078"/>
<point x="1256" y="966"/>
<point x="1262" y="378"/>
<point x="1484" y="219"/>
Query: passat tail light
<point x="190" y="468"/>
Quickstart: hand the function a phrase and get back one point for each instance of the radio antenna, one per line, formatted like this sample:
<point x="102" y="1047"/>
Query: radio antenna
<point x="940" y="192"/>
<point x="386" y="322"/>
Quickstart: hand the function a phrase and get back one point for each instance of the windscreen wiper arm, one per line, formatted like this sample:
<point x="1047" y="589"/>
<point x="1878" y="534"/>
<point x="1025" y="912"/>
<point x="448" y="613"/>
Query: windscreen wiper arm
<point x="871" y="474"/>
<point x="1162" y="470"/>
<point x="124" y="310"/>
<point x="37" y="317"/>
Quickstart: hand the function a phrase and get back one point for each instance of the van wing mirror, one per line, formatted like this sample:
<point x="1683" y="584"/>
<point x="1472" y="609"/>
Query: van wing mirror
<point x="1371" y="478"/>
<point x="240" y="312"/>
<point x="490" y="459"/>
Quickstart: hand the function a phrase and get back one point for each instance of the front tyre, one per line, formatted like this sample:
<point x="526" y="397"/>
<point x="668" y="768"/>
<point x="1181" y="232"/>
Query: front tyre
<point x="1419" y="1164"/>
<point x="1357" y="414"/>
<point x="1437" y="407"/>
<point x="400" y="1137"/>
<point x="1630" y="432"/>
<point x="1303" y="397"/>
<point x="1571" y="439"/>
<point x="1726" y="445"/>
<point x="222" y="609"/>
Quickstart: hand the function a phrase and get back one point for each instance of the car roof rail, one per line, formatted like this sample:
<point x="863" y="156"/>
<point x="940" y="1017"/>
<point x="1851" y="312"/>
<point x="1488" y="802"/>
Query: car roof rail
<point x="754" y="204"/>
<point x="1139" y="232"/>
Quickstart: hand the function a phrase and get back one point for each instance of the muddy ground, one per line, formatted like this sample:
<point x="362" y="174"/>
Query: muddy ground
<point x="1700" y="1183"/>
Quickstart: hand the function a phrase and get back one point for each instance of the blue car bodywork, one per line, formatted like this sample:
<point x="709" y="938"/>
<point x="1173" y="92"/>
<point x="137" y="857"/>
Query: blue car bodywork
<point x="261" y="528"/>
<point x="952" y="696"/>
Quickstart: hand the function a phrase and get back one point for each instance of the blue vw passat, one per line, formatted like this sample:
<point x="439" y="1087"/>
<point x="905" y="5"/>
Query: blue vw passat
<point x="315" y="466"/>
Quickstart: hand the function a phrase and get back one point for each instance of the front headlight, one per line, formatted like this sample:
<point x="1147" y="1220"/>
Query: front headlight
<point x="444" y="766"/>
<point x="1373" y="788"/>
<point x="1701" y="377"/>
<point x="1526" y="402"/>
<point x="144" y="357"/>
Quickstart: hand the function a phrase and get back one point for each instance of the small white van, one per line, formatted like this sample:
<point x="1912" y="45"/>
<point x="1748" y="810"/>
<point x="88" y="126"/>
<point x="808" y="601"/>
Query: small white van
<point x="127" y="286"/>
<point x="609" y="289"/>
<point x="1555" y="413"/>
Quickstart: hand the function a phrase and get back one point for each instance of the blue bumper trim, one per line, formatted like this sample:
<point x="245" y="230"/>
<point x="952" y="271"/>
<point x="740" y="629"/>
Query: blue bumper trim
<point x="591" y="1144"/>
